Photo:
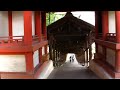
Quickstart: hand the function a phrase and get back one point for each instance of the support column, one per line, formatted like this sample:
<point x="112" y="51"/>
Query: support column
<point x="44" y="29"/>
<point x="29" y="63"/>
<point x="45" y="49"/>
<point x="96" y="29"/>
<point x="117" y="16"/>
<point x="54" y="54"/>
<point x="90" y="53"/>
<point x="96" y="24"/>
<point x="38" y="27"/>
<point x="28" y="27"/>
<point x="40" y="55"/>
<point x="38" y="31"/>
<point x="104" y="30"/>
<point x="50" y="52"/>
<point x="10" y="23"/>
<point x="28" y="40"/>
<point x="44" y="25"/>
<point x="104" y="24"/>
<point x="86" y="57"/>
<point x="117" y="61"/>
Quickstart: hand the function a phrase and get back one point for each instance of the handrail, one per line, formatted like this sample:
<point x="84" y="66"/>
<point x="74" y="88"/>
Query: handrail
<point x="18" y="39"/>
<point x="111" y="37"/>
<point x="111" y="34"/>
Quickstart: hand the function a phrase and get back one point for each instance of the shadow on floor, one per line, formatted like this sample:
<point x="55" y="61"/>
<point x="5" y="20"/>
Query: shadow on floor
<point x="72" y="71"/>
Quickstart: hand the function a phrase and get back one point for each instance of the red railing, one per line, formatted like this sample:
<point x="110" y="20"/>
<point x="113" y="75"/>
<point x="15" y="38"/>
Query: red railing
<point x="35" y="38"/>
<point x="111" y="37"/>
<point x="11" y="40"/>
<point x="18" y="40"/>
<point x="43" y="38"/>
<point x="100" y="36"/>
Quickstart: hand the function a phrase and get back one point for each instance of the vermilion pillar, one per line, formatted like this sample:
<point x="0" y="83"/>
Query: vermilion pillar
<point x="40" y="55"/>
<point x="10" y="23"/>
<point x="104" y="30"/>
<point x="38" y="31"/>
<point x="29" y="62"/>
<point x="28" y="27"/>
<point x="44" y="28"/>
<point x="104" y="24"/>
<point x="117" y="61"/>
<point x="28" y="40"/>
<point x="96" y="29"/>
<point x="44" y="24"/>
<point x="117" y="16"/>
<point x="96" y="24"/>
<point x="38" y="28"/>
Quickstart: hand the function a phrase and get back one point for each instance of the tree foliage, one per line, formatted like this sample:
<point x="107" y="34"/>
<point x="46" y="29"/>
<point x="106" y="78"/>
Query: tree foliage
<point x="52" y="17"/>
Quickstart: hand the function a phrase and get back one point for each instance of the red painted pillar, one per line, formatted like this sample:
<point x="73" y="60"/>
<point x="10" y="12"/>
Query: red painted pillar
<point x="104" y="24"/>
<point x="38" y="31"/>
<point x="96" y="29"/>
<point x="45" y="49"/>
<point x="40" y="55"/>
<point x="44" y="24"/>
<point x="10" y="23"/>
<point x="28" y="27"/>
<point x="28" y="40"/>
<point x="117" y="61"/>
<point x="44" y="29"/>
<point x="29" y="62"/>
<point x="38" y="28"/>
<point x="117" y="16"/>
<point x="104" y="30"/>
<point x="96" y="24"/>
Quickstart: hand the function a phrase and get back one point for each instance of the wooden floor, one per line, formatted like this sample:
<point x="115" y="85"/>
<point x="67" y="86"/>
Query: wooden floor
<point x="72" y="71"/>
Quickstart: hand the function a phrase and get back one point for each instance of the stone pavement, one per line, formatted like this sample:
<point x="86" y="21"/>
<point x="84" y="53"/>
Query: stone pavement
<point x="72" y="71"/>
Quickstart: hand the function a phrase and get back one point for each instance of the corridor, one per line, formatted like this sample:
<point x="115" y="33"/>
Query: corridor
<point x="72" y="71"/>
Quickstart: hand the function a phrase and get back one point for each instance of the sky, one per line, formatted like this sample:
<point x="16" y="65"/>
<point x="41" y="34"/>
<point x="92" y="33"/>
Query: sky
<point x="87" y="16"/>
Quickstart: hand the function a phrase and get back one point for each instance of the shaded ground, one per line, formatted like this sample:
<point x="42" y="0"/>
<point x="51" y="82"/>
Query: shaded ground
<point x="72" y="71"/>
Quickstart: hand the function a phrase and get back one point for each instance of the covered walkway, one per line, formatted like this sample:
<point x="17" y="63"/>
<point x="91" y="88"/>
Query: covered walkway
<point x="72" y="71"/>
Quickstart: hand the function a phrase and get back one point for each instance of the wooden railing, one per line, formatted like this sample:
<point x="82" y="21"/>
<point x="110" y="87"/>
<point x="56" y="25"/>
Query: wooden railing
<point x="11" y="40"/>
<point x="18" y="40"/>
<point x="111" y="37"/>
<point x="43" y="37"/>
<point x="35" y="38"/>
<point x="100" y="36"/>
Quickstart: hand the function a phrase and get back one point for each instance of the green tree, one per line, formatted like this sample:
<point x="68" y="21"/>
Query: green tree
<point x="52" y="17"/>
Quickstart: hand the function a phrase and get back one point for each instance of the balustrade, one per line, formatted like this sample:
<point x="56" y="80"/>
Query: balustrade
<point x="111" y="37"/>
<point x="17" y="40"/>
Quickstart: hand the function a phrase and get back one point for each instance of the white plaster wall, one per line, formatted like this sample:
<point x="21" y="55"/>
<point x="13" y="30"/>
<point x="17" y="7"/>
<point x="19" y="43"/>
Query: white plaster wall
<point x="36" y="58"/>
<point x="12" y="63"/>
<point x="100" y="49"/>
<point x="33" y="23"/>
<point x="110" y="56"/>
<point x="4" y="23"/>
<point x="43" y="50"/>
<point x="18" y="23"/>
<point x="48" y="49"/>
<point x="112" y="27"/>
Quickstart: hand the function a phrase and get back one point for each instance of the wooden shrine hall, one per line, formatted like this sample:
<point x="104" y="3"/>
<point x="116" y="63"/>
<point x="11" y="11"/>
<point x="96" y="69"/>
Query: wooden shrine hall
<point x="70" y="35"/>
<point x="24" y="52"/>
